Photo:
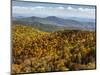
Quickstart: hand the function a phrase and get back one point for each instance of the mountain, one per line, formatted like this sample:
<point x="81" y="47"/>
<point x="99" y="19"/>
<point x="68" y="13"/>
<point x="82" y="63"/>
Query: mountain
<point x="56" y="22"/>
<point x="64" y="22"/>
<point x="82" y="19"/>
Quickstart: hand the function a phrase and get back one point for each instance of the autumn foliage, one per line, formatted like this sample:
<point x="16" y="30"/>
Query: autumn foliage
<point x="37" y="51"/>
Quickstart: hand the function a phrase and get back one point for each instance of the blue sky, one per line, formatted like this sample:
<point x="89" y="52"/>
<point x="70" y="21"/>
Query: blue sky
<point x="46" y="9"/>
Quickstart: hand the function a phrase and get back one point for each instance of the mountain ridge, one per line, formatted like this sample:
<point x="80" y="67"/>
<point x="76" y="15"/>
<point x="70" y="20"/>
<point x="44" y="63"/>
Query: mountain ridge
<point x="56" y="21"/>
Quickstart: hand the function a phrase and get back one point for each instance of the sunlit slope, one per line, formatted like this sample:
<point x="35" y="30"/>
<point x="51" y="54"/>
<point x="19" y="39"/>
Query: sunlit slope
<point x="38" y="51"/>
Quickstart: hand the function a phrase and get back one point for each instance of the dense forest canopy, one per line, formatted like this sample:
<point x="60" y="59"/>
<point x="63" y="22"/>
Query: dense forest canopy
<point x="63" y="50"/>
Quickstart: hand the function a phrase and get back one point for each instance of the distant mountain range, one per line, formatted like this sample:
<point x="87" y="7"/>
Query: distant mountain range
<point x="56" y="23"/>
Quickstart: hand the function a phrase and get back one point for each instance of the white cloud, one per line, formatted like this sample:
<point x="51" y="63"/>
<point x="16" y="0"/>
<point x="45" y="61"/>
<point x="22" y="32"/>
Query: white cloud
<point x="86" y="10"/>
<point x="18" y="7"/>
<point x="39" y="7"/>
<point x="60" y="7"/>
<point x="80" y="9"/>
<point x="21" y="8"/>
<point x="69" y="8"/>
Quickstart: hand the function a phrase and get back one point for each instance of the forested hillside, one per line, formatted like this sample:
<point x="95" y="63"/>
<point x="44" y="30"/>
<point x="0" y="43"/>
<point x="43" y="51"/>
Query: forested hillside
<point x="34" y="50"/>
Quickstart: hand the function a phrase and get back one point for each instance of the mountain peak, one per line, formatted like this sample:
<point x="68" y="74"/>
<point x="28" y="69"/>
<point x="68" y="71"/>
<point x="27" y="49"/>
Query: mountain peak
<point x="52" y="17"/>
<point x="33" y="17"/>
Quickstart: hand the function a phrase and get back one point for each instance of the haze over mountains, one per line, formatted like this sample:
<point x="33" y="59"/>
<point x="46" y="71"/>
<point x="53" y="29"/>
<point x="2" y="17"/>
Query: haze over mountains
<point x="52" y="22"/>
